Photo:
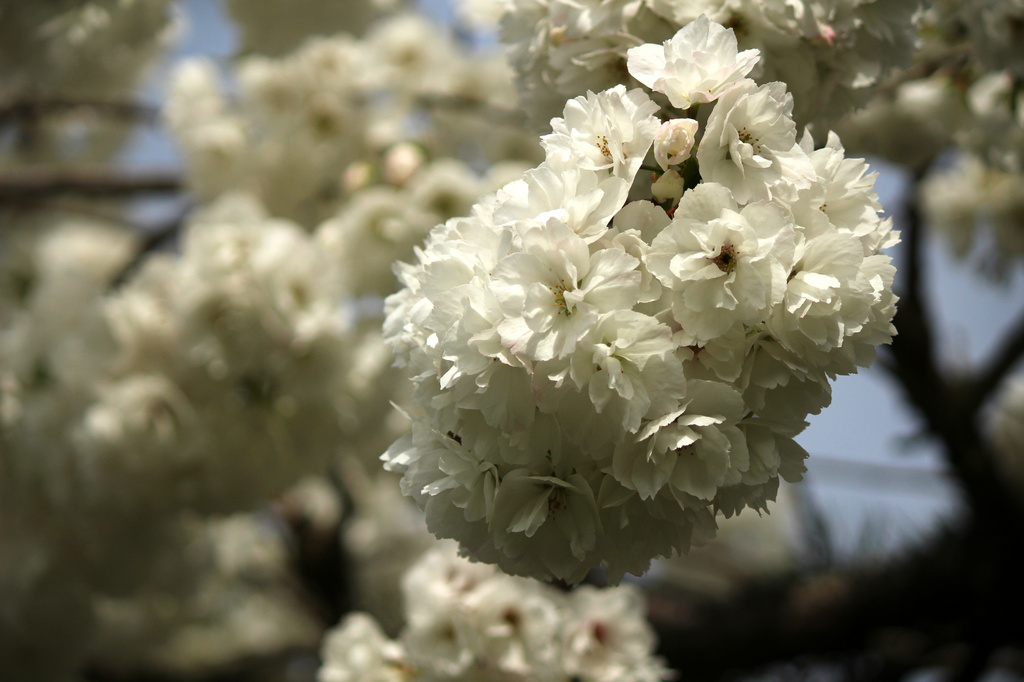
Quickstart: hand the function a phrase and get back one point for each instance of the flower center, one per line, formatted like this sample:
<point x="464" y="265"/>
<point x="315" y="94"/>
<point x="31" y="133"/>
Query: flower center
<point x="748" y="138"/>
<point x="726" y="260"/>
<point x="559" y="292"/>
<point x="556" y="502"/>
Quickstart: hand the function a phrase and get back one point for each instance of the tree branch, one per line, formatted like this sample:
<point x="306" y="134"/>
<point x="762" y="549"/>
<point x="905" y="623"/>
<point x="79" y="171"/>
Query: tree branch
<point x="33" y="109"/>
<point x="151" y="240"/>
<point x="949" y="592"/>
<point x="947" y="407"/>
<point x="33" y="184"/>
<point x="1003" y="360"/>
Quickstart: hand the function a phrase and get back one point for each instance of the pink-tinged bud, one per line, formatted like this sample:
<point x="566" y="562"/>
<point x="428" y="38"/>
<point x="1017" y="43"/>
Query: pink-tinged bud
<point x="826" y="36"/>
<point x="674" y="141"/>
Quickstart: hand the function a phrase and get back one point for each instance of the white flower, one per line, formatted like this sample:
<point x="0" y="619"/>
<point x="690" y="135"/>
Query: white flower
<point x="469" y="622"/>
<point x="695" y="449"/>
<point x="723" y="264"/>
<point x="695" y="66"/>
<point x="838" y="304"/>
<point x="627" y="367"/>
<point x="815" y="314"/>
<point x="562" y="49"/>
<point x="674" y="140"/>
<point x="607" y="634"/>
<point x="516" y="627"/>
<point x="553" y="291"/>
<point x="749" y="144"/>
<point x="559" y="514"/>
<point x="584" y="200"/>
<point x="611" y="130"/>
<point x="595" y="379"/>
<point x="357" y="651"/>
<point x="842" y="198"/>
<point x="142" y="431"/>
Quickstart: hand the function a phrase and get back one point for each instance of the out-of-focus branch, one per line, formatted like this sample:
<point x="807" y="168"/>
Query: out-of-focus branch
<point x="36" y="108"/>
<point x="32" y="184"/>
<point x="321" y="562"/>
<point x="151" y="240"/>
<point x="946" y="404"/>
<point x="944" y="597"/>
<point x="950" y="60"/>
<point x="1003" y="360"/>
<point x="273" y="665"/>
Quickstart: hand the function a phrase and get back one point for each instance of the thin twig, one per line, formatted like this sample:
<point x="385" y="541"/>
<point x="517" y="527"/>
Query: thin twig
<point x="152" y="240"/>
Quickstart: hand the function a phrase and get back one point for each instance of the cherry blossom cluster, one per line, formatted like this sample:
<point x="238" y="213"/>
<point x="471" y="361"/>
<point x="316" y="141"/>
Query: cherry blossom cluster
<point x="142" y="385"/>
<point x="57" y="48"/>
<point x="61" y="52"/>
<point x="968" y="197"/>
<point x="956" y="118"/>
<point x="466" y="621"/>
<point x="603" y="357"/>
<point x="310" y="128"/>
<point x="209" y="382"/>
<point x="832" y="55"/>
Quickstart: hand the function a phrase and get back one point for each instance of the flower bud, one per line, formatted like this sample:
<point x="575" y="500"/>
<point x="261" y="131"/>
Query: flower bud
<point x="674" y="141"/>
<point x="358" y="175"/>
<point x="402" y="161"/>
<point x="669" y="187"/>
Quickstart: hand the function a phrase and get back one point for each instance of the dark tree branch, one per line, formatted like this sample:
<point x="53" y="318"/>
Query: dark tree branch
<point x="29" y="185"/>
<point x="274" y="665"/>
<point x="152" y="240"/>
<point x="947" y="405"/>
<point x="949" y="592"/>
<point x="31" y="110"/>
<point x="1003" y="360"/>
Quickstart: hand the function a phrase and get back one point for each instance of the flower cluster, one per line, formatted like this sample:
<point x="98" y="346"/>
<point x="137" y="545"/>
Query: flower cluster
<point x="91" y="51"/>
<point x="968" y="197"/>
<point x="831" y="54"/>
<point x="466" y="621"/>
<point x="209" y="382"/>
<point x="306" y="124"/>
<point x="600" y="361"/>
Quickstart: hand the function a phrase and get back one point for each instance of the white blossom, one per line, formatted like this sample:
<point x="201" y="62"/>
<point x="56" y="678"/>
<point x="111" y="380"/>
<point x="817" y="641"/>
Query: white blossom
<point x="357" y="650"/>
<point x="674" y="141"/>
<point x="723" y="264"/>
<point x="467" y="621"/>
<point x="696" y="66"/>
<point x="749" y="144"/>
<point x="611" y="130"/>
